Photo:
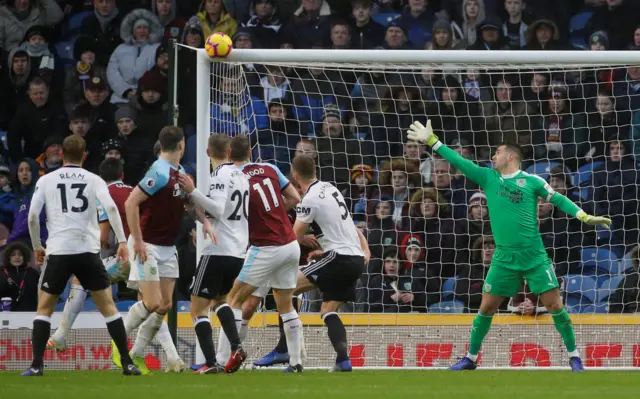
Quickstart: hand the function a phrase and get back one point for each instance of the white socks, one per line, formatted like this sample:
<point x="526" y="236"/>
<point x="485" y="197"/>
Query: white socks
<point x="147" y="331"/>
<point x="473" y="358"/>
<point x="224" y="348"/>
<point x="243" y="330"/>
<point x="164" y="337"/>
<point x="575" y="353"/>
<point x="74" y="305"/>
<point x="136" y="316"/>
<point x="292" y="331"/>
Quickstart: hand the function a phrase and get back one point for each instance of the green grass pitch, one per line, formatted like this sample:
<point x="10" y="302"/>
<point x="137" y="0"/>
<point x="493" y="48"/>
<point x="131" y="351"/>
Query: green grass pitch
<point x="321" y="384"/>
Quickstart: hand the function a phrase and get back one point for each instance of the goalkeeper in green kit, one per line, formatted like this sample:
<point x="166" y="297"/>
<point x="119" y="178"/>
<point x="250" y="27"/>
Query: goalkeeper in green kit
<point x="512" y="198"/>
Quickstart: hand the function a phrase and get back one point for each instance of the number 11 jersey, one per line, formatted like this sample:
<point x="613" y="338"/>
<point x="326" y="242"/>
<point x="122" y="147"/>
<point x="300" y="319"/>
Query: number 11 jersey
<point x="70" y="196"/>
<point x="230" y="188"/>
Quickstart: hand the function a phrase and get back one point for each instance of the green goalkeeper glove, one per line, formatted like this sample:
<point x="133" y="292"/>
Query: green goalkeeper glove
<point x="593" y="220"/>
<point x="422" y="134"/>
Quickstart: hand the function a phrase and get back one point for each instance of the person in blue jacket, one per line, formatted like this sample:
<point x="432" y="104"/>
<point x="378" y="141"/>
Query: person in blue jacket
<point x="27" y="176"/>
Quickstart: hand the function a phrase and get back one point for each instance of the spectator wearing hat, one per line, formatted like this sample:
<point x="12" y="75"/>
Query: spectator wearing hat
<point x="100" y="110"/>
<point x="490" y="36"/>
<point x="310" y="23"/>
<point x="381" y="230"/>
<point x="213" y="16"/>
<point x="566" y="134"/>
<point x="141" y="32"/>
<point x="366" y="33"/>
<point x="150" y="103"/>
<point x="418" y="18"/>
<point x="7" y="197"/>
<point x="264" y="22"/>
<point x="51" y="157"/>
<point x="137" y="145"/>
<point x="112" y="148"/>
<point x="244" y="39"/>
<point x="104" y="26"/>
<point x="424" y="279"/>
<point x="44" y="63"/>
<point x="16" y="17"/>
<point x="86" y="68"/>
<point x="514" y="28"/>
<point x="618" y="18"/>
<point x="14" y="82"/>
<point x="441" y="36"/>
<point x="465" y="31"/>
<point x="18" y="281"/>
<point x="395" y="37"/>
<point x="337" y="150"/>
<point x="192" y="36"/>
<point x="360" y="191"/>
<point x="27" y="176"/>
<point x="35" y="120"/>
<point x="167" y="13"/>
<point x="616" y="192"/>
<point x="543" y="34"/>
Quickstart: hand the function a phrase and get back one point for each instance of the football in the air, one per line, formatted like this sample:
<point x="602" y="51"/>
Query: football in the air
<point x="218" y="45"/>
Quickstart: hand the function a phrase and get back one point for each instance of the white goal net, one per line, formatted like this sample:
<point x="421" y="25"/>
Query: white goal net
<point x="575" y="115"/>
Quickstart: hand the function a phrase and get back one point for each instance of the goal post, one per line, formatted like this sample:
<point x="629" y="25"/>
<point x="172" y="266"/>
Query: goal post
<point x="434" y="339"/>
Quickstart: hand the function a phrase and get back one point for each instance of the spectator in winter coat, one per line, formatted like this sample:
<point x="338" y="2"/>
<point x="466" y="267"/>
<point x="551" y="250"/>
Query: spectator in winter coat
<point x="18" y="281"/>
<point x="626" y="298"/>
<point x="7" y="197"/>
<point x="150" y="104"/>
<point x="399" y="180"/>
<point x="466" y="31"/>
<point x="311" y="23"/>
<point x="167" y="13"/>
<point x="36" y="119"/>
<point x="26" y="177"/>
<point x="85" y="50"/>
<point x="187" y="76"/>
<point x="396" y="37"/>
<point x="454" y="191"/>
<point x="101" y="111"/>
<point x="213" y="17"/>
<point x="618" y="17"/>
<point x="475" y="224"/>
<point x="490" y="36"/>
<point x="381" y="229"/>
<point x="418" y="18"/>
<point x="453" y="118"/>
<point x="264" y="22"/>
<point x="543" y="34"/>
<point x="17" y="16"/>
<point x="360" y="191"/>
<point x="51" y="157"/>
<point x="604" y="125"/>
<point x="141" y="32"/>
<point x="104" y="26"/>
<point x="442" y="36"/>
<point x="137" y="145"/>
<point x="514" y="28"/>
<point x="14" y="84"/>
<point x="366" y="33"/>
<point x="275" y="142"/>
<point x="471" y="278"/>
<point x="44" y="63"/>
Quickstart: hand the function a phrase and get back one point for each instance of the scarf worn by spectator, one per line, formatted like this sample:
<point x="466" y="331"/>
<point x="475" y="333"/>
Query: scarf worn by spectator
<point x="40" y="50"/>
<point x="105" y="21"/>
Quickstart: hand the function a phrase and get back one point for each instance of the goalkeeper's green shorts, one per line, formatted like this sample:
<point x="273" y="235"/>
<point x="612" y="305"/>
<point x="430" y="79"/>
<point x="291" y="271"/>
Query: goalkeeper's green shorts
<point x="530" y="265"/>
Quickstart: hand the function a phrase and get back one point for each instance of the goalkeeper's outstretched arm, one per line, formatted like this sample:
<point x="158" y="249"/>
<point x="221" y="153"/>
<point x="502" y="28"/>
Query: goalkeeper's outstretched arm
<point x="424" y="134"/>
<point x="570" y="208"/>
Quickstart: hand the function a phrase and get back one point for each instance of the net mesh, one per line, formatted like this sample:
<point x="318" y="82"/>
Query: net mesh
<point x="426" y="224"/>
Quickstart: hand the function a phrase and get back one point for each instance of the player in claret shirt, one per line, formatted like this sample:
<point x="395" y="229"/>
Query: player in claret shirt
<point x="512" y="198"/>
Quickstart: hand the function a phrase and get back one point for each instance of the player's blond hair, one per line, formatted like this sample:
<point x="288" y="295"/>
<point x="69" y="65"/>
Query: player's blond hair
<point x="73" y="148"/>
<point x="218" y="145"/>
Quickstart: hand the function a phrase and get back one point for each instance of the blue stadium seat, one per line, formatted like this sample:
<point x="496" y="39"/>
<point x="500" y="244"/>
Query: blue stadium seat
<point x="580" y="288"/>
<point x="183" y="306"/>
<point x="599" y="261"/>
<point x="71" y="28"/>
<point x="65" y="294"/>
<point x="626" y="263"/>
<point x="90" y="306"/>
<point x="592" y="309"/>
<point x="448" y="289"/>
<point x="124" y="306"/>
<point x="608" y="287"/>
<point x="59" y="307"/>
<point x="114" y="292"/>
<point x="385" y="18"/>
<point x="65" y="52"/>
<point x="447" y="307"/>
<point x="542" y="168"/>
<point x="3" y="138"/>
<point x="576" y="29"/>
<point x="584" y="173"/>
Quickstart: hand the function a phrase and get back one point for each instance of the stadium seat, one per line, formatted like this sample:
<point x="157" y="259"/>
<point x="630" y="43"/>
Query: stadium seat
<point x="385" y="18"/>
<point x="584" y="173"/>
<point x="65" y="52"/>
<point x="65" y="294"/>
<point x="71" y="28"/>
<point x="591" y="309"/>
<point x="447" y="307"/>
<point x="448" y="289"/>
<point x="3" y="138"/>
<point x="577" y="26"/>
<point x="124" y="306"/>
<point x="626" y="264"/>
<point x="59" y="307"/>
<point x="542" y="168"/>
<point x="608" y="287"/>
<point x="580" y="289"/>
<point x="183" y="306"/>
<point x="90" y="306"/>
<point x="599" y="261"/>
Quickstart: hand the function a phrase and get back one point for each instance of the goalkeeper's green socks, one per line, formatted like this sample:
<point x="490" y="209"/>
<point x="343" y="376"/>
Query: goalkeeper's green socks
<point x="479" y="329"/>
<point x="563" y="324"/>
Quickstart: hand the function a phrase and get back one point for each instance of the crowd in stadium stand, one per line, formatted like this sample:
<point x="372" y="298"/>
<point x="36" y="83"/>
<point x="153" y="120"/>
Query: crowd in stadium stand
<point x="99" y="69"/>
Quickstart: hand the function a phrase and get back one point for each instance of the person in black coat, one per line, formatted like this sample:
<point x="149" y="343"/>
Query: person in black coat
<point x="14" y="82"/>
<point x="381" y="229"/>
<point x="18" y="281"/>
<point x="150" y="103"/>
<point x="36" y="119"/>
<point x="101" y="110"/>
<point x="365" y="32"/>
<point x="137" y="145"/>
<point x="104" y="25"/>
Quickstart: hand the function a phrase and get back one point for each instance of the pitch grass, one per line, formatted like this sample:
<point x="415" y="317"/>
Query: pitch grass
<point x="321" y="384"/>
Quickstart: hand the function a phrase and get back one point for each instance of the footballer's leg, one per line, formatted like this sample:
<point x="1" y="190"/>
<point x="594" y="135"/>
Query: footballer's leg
<point x="292" y="327"/>
<point x="337" y="335"/>
<point x="204" y="333"/>
<point x="40" y="332"/>
<point x="280" y="354"/>
<point x="72" y="307"/>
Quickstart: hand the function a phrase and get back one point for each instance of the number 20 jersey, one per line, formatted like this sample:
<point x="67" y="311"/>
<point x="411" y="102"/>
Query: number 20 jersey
<point x="230" y="187"/>
<point x="269" y="223"/>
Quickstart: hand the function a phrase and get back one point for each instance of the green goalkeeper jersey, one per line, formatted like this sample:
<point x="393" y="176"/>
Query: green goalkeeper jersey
<point x="512" y="202"/>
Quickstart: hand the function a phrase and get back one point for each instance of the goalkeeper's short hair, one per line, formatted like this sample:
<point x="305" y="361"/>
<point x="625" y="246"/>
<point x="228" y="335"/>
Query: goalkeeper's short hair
<point x="514" y="148"/>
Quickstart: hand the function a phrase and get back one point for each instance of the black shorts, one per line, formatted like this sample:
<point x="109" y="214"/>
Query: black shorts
<point x="87" y="267"/>
<point x="336" y="275"/>
<point x="215" y="275"/>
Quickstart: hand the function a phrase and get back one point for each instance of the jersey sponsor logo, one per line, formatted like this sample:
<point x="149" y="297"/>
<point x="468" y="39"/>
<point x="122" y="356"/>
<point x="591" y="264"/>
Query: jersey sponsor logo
<point x="514" y="196"/>
<point x="177" y="192"/>
<point x="217" y="187"/>
<point x="303" y="210"/>
<point x="521" y="182"/>
<point x="253" y="172"/>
